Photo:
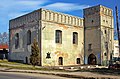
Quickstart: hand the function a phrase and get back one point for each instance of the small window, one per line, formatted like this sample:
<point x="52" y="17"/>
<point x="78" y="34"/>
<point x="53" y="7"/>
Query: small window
<point x="106" y="45"/>
<point x="16" y="40"/>
<point x="89" y="47"/>
<point x="105" y="31"/>
<point x="78" y="60"/>
<point x="92" y="21"/>
<point x="48" y="55"/>
<point x="103" y="20"/>
<point x="105" y="54"/>
<point x="28" y="37"/>
<point x="58" y="36"/>
<point x="106" y="21"/>
<point x="75" y="38"/>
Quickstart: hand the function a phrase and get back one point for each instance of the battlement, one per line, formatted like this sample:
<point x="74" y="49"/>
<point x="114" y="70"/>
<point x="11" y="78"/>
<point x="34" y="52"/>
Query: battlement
<point x="48" y="15"/>
<point x="98" y="9"/>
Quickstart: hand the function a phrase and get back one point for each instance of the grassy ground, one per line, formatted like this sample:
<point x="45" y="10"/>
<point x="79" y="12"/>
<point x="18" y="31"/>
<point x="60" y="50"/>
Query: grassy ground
<point x="14" y="65"/>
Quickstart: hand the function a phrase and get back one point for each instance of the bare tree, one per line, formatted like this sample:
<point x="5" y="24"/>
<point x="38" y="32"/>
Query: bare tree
<point x="0" y="38"/>
<point x="4" y="38"/>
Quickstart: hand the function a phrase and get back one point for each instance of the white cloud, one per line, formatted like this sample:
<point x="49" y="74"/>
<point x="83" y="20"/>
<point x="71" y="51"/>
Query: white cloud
<point x="13" y="8"/>
<point x="31" y="3"/>
<point x="10" y="9"/>
<point x="65" y="6"/>
<point x="20" y="6"/>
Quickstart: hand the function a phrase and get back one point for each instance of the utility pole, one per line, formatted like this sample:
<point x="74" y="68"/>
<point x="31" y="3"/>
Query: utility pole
<point x="116" y="8"/>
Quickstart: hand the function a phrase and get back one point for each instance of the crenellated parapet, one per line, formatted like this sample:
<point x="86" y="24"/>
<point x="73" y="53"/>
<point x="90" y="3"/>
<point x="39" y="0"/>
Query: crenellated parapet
<point x="106" y="11"/>
<point x="102" y="10"/>
<point x="45" y="15"/>
<point x="51" y="16"/>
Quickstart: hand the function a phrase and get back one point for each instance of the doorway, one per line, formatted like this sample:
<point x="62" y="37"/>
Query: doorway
<point x="92" y="59"/>
<point x="60" y="61"/>
<point x="78" y="60"/>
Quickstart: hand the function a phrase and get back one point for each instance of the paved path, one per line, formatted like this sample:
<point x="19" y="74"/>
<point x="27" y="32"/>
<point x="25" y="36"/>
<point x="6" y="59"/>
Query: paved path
<point x="15" y="75"/>
<point x="65" y="74"/>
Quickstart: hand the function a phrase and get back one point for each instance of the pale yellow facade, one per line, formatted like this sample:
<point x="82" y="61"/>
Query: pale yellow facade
<point x="67" y="50"/>
<point x="43" y="25"/>
<point x="43" y="29"/>
<point x="99" y="33"/>
<point x="116" y="49"/>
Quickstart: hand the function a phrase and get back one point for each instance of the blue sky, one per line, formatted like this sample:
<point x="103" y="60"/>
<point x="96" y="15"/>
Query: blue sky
<point x="10" y="9"/>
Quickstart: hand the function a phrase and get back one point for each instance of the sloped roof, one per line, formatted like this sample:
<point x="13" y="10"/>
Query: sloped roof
<point x="4" y="46"/>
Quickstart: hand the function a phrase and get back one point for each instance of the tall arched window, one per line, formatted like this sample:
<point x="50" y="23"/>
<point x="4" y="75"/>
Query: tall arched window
<point x="16" y="40"/>
<point x="58" y="36"/>
<point x="28" y="37"/>
<point x="75" y="38"/>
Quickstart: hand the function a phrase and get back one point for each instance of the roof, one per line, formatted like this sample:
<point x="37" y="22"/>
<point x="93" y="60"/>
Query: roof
<point x="4" y="46"/>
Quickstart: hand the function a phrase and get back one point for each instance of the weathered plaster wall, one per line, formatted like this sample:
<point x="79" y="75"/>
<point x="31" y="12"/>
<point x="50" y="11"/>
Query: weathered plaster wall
<point x="107" y="30"/>
<point x="116" y="49"/>
<point x="21" y="25"/>
<point x="98" y="31"/>
<point x="67" y="49"/>
<point x="92" y="36"/>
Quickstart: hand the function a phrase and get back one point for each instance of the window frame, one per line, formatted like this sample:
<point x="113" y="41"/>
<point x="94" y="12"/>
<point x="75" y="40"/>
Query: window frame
<point x="75" y="38"/>
<point x="28" y="37"/>
<point x="78" y="61"/>
<point x="58" y="36"/>
<point x="16" y="40"/>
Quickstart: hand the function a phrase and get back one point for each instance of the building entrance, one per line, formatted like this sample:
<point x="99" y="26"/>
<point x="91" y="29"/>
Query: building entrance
<point x="92" y="59"/>
<point x="60" y="61"/>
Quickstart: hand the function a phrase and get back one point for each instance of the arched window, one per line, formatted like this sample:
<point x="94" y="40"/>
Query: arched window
<point x="75" y="38"/>
<point x="58" y="36"/>
<point x="16" y="40"/>
<point x="78" y="60"/>
<point x="28" y="37"/>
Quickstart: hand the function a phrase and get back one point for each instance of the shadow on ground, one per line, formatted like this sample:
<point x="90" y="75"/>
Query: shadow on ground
<point x="104" y="71"/>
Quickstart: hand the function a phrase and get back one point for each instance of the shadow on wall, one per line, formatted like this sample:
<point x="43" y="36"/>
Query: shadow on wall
<point x="23" y="46"/>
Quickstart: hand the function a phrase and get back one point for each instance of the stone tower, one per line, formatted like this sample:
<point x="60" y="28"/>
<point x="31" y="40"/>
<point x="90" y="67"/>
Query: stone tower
<point x="98" y="33"/>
